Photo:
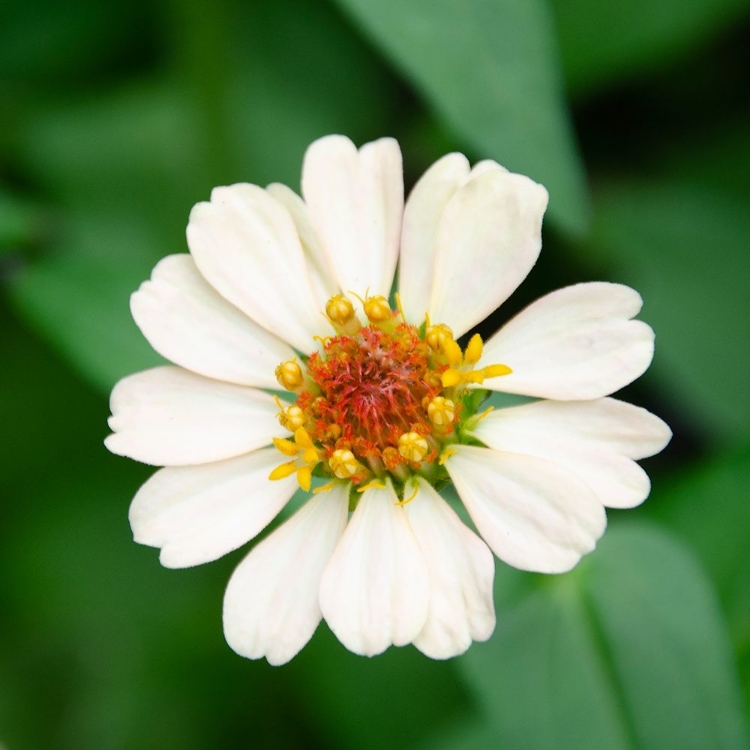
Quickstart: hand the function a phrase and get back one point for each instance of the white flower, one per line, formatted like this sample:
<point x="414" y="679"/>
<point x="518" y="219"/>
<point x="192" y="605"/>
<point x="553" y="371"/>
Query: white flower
<point x="383" y="403"/>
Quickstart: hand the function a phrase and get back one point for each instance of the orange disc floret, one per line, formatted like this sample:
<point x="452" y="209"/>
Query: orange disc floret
<point x="372" y="387"/>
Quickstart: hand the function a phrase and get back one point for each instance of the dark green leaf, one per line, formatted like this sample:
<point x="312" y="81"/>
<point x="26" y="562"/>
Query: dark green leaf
<point x="605" y="40"/>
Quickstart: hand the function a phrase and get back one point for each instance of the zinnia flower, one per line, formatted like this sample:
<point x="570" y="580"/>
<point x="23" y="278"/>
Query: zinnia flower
<point x="381" y="407"/>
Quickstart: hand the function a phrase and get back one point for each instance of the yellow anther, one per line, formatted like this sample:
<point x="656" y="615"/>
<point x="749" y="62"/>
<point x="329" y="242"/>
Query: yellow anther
<point x="376" y="484"/>
<point x="453" y="352"/>
<point x="324" y="488"/>
<point x="343" y="463"/>
<point x="441" y="411"/>
<point x="413" y="446"/>
<point x="436" y="336"/>
<point x="377" y="309"/>
<point x="304" y="477"/>
<point x="407" y="500"/>
<point x="451" y="377"/>
<point x="287" y="447"/>
<point x="289" y="375"/>
<point x="473" y="352"/>
<point x="283" y="470"/>
<point x="339" y="309"/>
<point x="446" y="454"/>
<point x="291" y="417"/>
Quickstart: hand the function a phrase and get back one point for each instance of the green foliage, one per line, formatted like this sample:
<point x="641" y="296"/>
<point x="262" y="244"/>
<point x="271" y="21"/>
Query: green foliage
<point x="517" y="116"/>
<point x="627" y="652"/>
<point x="603" y="41"/>
<point x="709" y="507"/>
<point x="115" y="118"/>
<point x="684" y="248"/>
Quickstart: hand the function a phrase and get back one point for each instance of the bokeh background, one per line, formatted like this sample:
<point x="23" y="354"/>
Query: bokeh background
<point x="116" y="117"/>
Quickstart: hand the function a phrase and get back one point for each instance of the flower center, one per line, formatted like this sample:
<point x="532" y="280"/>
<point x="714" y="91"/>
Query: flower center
<point x="380" y="398"/>
<point x="372" y="387"/>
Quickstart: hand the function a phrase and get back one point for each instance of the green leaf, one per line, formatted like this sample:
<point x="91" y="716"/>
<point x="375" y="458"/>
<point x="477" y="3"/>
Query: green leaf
<point x="488" y="68"/>
<point x="21" y="222"/>
<point x="61" y="42"/>
<point x="628" y="652"/>
<point x="683" y="246"/>
<point x="127" y="166"/>
<point x="708" y="506"/>
<point x="603" y="41"/>
<point x="116" y="168"/>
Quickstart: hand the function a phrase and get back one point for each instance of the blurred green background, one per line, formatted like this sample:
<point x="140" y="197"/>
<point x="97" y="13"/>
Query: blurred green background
<point x="116" y="117"/>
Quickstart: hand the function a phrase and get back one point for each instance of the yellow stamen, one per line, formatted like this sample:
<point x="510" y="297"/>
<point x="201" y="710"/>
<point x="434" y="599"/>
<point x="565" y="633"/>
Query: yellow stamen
<point x="289" y="375"/>
<point x="282" y="471"/>
<point x="400" y="306"/>
<point x="441" y="411"/>
<point x="407" y="500"/>
<point x="473" y="421"/>
<point x="446" y="454"/>
<point x="324" y="488"/>
<point x="412" y="446"/>
<point x="339" y="309"/>
<point x="343" y="463"/>
<point x="376" y="484"/>
<point x="473" y="352"/>
<point x="287" y="447"/>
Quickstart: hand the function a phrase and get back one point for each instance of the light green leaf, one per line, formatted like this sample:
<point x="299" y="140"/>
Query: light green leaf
<point x="489" y="69"/>
<point x="684" y="248"/>
<point x="603" y="41"/>
<point x="629" y="652"/>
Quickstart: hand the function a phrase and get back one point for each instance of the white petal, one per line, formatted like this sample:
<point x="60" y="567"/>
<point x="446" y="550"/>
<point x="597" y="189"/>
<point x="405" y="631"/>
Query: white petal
<point x="199" y="513"/>
<point x="421" y="216"/>
<point x="187" y="321"/>
<point x="461" y="568"/>
<point x="271" y="604"/>
<point x="486" y="165"/>
<point x="375" y="589"/>
<point x="617" y="480"/>
<point x="356" y="201"/>
<point x="488" y="239"/>
<point x="322" y="276"/>
<point x="621" y="427"/>
<point x="575" y="343"/>
<point x="168" y="416"/>
<point x="246" y="245"/>
<point x="534" y="514"/>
